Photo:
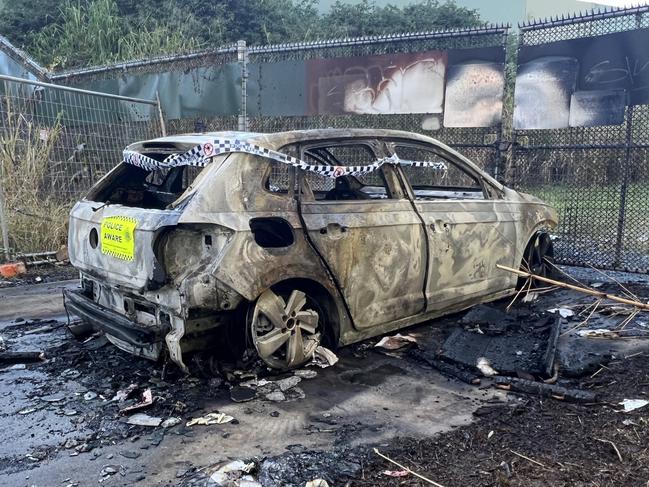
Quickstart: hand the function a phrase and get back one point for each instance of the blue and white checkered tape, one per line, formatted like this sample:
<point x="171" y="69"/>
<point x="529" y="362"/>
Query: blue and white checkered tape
<point x="201" y="155"/>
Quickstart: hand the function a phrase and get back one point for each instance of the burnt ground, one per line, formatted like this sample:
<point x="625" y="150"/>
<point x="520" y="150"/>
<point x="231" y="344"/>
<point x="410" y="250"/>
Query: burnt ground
<point x="61" y="427"/>
<point x="41" y="274"/>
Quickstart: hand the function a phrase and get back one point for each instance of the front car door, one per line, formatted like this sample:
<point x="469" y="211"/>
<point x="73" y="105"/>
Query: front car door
<point x="470" y="228"/>
<point x="366" y="230"/>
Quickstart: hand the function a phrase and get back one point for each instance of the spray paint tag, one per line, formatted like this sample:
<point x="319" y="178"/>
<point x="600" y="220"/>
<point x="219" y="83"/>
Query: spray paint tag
<point x="118" y="237"/>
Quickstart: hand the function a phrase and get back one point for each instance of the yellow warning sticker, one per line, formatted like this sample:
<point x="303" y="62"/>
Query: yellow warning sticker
<point x="118" y="237"/>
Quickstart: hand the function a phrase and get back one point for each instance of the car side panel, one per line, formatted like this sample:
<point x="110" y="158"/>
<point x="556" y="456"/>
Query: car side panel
<point x="377" y="251"/>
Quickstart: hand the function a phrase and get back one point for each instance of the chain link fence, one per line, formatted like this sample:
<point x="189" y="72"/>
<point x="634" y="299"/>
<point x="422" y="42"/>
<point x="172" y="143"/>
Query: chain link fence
<point x="596" y="177"/>
<point x="55" y="143"/>
<point x="480" y="144"/>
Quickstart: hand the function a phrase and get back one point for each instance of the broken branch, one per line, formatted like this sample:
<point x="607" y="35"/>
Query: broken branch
<point x="542" y="389"/>
<point x="585" y="290"/>
<point x="431" y="482"/>
<point x="614" y="447"/>
<point x="446" y="369"/>
<point x="528" y="458"/>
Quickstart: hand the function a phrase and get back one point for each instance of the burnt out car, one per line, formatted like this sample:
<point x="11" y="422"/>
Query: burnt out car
<point x="284" y="242"/>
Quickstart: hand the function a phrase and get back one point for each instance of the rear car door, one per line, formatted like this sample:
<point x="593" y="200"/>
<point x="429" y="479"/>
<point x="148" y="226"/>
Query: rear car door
<point x="366" y="230"/>
<point x="470" y="228"/>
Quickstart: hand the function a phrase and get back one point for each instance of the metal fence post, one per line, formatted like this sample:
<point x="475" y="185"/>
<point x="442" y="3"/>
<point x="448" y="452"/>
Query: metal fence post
<point x="4" y="225"/>
<point x="163" y="127"/>
<point x="242" y="58"/>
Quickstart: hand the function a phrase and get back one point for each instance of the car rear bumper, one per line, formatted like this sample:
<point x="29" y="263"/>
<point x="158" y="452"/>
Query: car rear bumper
<point x="112" y="323"/>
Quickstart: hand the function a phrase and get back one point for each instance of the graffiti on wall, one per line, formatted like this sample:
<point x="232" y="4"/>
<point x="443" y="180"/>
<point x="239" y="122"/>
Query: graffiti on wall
<point x="464" y="88"/>
<point x="581" y="82"/>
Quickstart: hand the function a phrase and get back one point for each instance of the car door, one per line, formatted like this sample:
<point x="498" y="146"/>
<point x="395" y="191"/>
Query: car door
<point x="469" y="228"/>
<point x="366" y="230"/>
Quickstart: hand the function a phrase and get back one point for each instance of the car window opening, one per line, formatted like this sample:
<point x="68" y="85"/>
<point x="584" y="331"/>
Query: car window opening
<point x="427" y="184"/>
<point x="158" y="188"/>
<point x="367" y="186"/>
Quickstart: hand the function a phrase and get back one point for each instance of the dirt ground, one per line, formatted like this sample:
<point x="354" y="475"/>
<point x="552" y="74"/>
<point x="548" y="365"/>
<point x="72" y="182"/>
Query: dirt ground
<point x="66" y="428"/>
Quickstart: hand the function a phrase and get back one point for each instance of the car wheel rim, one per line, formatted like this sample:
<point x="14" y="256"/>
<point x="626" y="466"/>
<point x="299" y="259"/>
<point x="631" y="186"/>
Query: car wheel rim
<point x="285" y="331"/>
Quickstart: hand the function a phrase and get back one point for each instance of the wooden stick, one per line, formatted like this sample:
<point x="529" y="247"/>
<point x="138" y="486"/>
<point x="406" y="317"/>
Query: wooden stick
<point x="431" y="482"/>
<point x="528" y="459"/>
<point x="580" y="289"/>
<point x="614" y="447"/>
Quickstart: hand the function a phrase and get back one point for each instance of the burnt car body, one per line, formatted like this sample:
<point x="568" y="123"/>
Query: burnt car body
<point x="252" y="251"/>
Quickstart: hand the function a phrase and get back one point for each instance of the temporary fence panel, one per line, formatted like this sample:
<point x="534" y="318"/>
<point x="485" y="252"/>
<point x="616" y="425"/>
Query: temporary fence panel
<point x="56" y="142"/>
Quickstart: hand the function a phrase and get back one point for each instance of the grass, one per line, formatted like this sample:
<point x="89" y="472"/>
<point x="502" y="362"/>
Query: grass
<point x="592" y="213"/>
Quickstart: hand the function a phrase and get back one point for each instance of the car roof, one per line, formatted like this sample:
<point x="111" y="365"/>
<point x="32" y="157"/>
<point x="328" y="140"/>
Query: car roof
<point x="277" y="140"/>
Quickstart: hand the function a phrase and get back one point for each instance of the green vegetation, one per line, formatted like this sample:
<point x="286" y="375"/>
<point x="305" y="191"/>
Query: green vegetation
<point x="91" y="32"/>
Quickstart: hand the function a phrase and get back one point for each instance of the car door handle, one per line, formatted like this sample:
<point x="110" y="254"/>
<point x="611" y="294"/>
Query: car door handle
<point x="333" y="229"/>
<point x="438" y="226"/>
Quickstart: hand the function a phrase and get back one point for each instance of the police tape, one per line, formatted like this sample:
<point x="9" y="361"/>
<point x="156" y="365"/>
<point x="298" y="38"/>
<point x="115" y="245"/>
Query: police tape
<point x="201" y="155"/>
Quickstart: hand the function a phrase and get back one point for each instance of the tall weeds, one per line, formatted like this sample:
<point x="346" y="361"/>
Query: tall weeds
<point x="37" y="214"/>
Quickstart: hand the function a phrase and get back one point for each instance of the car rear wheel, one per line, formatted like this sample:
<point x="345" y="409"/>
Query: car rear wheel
<point x="286" y="328"/>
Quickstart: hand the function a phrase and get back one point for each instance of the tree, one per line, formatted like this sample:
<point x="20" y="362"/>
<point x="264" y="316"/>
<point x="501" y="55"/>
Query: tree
<point x="86" y="32"/>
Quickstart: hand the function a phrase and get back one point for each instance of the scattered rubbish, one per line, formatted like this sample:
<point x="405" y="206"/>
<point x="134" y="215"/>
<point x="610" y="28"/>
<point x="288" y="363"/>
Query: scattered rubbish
<point x="276" y="396"/>
<point x="431" y="482"/>
<point x="89" y="396"/>
<point x="612" y="334"/>
<point x="530" y="297"/>
<point x="317" y="483"/>
<point x="633" y="404"/>
<point x="171" y="422"/>
<point x="124" y="394"/>
<point x="13" y="269"/>
<point x="484" y="366"/>
<point x="21" y="357"/>
<point x="490" y="434"/>
<point x="597" y="284"/>
<point x="57" y="397"/>
<point x="141" y="419"/>
<point x="288" y="383"/>
<point x="396" y="473"/>
<point x="306" y="373"/>
<point x="544" y="390"/>
<point x="211" y="418"/>
<point x="40" y="329"/>
<point x="396" y="342"/>
<point x="242" y="394"/>
<point x="130" y="454"/>
<point x="27" y="411"/>
<point x="323" y="357"/>
<point x="563" y="312"/>
<point x="229" y="473"/>
<point x="17" y="367"/>
<point x="147" y="400"/>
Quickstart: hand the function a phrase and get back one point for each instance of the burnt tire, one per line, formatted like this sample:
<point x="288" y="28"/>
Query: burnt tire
<point x="538" y="259"/>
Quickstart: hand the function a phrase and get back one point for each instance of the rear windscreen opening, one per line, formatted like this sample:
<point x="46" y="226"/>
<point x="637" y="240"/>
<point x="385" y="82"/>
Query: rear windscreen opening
<point x="134" y="186"/>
